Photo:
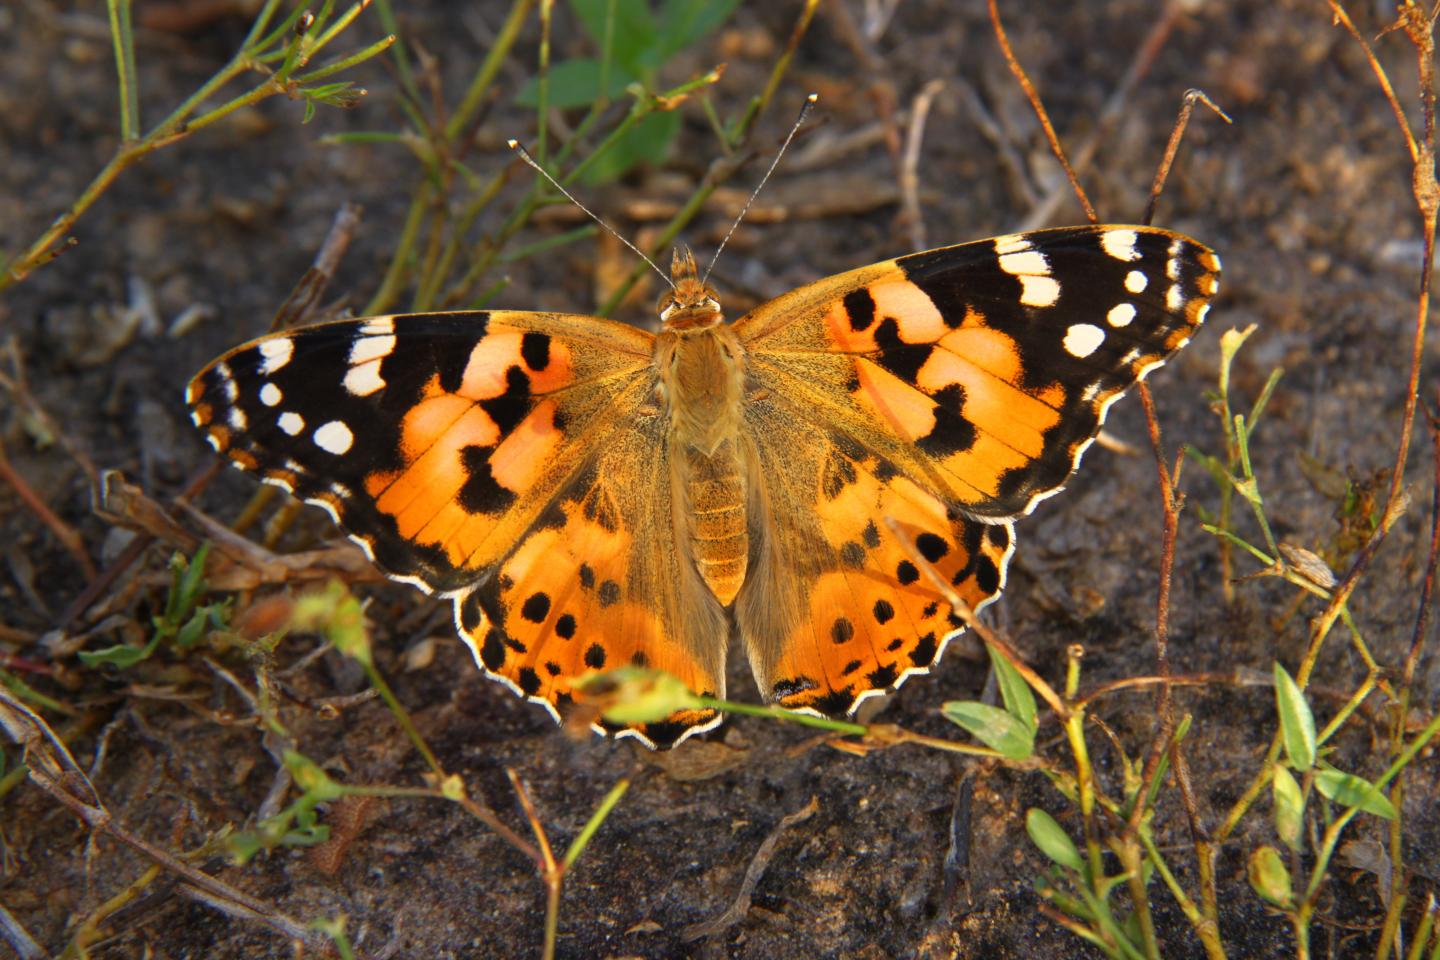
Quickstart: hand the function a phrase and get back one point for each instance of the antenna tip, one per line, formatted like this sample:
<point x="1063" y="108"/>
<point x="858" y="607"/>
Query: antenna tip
<point x="513" y="144"/>
<point x="812" y="98"/>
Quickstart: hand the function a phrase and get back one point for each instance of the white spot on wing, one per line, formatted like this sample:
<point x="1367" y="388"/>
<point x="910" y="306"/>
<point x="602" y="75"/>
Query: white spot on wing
<point x="1135" y="281"/>
<point x="1120" y="315"/>
<point x="1120" y="244"/>
<point x="334" y="437"/>
<point x="371" y="348"/>
<point x="227" y="382"/>
<point x="277" y="352"/>
<point x="378" y="327"/>
<point x="1200" y="316"/>
<point x="1025" y="263"/>
<point x="237" y="419"/>
<point x="1174" y="298"/>
<point x="1083" y="339"/>
<point x="1011" y="243"/>
<point x="364" y="380"/>
<point x="270" y="395"/>
<point x="291" y="422"/>
<point x="1039" y="291"/>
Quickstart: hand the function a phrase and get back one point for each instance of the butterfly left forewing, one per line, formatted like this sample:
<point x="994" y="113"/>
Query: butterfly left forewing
<point x="435" y="440"/>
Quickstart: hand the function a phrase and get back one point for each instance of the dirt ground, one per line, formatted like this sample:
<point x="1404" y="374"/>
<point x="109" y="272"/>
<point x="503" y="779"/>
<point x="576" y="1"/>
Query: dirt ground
<point x="1306" y="197"/>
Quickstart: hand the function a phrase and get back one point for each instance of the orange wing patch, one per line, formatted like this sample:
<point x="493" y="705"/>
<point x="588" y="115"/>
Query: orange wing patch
<point x="600" y="582"/>
<point x="868" y="617"/>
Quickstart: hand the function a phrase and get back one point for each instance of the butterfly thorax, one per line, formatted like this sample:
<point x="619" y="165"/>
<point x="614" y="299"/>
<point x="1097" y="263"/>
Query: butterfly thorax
<point x="701" y="371"/>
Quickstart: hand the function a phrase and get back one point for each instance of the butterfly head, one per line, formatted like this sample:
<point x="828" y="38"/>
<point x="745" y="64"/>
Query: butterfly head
<point x="690" y="303"/>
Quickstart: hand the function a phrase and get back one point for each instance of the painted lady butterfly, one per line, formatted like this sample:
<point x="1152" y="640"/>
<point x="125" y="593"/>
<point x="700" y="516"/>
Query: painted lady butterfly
<point x="590" y="494"/>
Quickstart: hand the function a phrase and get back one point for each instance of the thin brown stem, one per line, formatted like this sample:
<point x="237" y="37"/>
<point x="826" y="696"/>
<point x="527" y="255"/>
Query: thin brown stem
<point x="1040" y="112"/>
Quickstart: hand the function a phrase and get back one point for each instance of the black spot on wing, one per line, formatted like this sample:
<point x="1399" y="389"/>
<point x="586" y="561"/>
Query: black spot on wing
<point x="508" y="409"/>
<point x="595" y="656"/>
<point x="931" y="546"/>
<point x="924" y="653"/>
<point x="529" y="681"/>
<point x="536" y="607"/>
<point x="900" y="358"/>
<point x="565" y="626"/>
<point x="952" y="433"/>
<point x="492" y="651"/>
<point x="481" y="492"/>
<point x="471" y="615"/>
<point x="835" y="702"/>
<point x="860" y="307"/>
<point x="884" y="611"/>
<point x="535" y="350"/>
<point x="987" y="575"/>
<point x="883" y="676"/>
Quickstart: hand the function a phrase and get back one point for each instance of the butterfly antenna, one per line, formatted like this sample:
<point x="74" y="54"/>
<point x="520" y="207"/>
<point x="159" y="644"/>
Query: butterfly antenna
<point x="525" y="155"/>
<point x="799" y="122"/>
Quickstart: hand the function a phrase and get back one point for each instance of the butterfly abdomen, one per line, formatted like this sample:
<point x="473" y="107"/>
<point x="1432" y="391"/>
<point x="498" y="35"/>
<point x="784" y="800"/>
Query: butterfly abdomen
<point x="719" y="535"/>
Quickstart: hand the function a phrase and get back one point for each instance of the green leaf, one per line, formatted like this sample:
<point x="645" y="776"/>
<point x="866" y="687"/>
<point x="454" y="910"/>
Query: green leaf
<point x="194" y="629"/>
<point x="122" y="655"/>
<point x="996" y="728"/>
<point x="576" y="83"/>
<point x="1268" y="876"/>
<point x="1289" y="805"/>
<point x="634" y="35"/>
<point x="682" y="22"/>
<point x="1297" y="723"/>
<point x="1014" y="691"/>
<point x="1349" y="790"/>
<point x="1046" y="834"/>
<point x="647" y="141"/>
<point x="192" y="582"/>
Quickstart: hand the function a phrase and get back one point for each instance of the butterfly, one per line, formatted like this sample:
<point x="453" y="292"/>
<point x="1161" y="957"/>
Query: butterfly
<point x="591" y="495"/>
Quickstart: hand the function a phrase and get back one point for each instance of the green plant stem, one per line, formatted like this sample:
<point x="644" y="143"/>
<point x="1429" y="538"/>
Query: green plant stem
<point x="124" y="40"/>
<point x="777" y="713"/>
<point x="179" y="124"/>
<point x="542" y="91"/>
<point x="399" y="269"/>
<point x="474" y="97"/>
<point x="402" y="715"/>
<point x="1204" y="925"/>
<point x="777" y="73"/>
<point x="1127" y="850"/>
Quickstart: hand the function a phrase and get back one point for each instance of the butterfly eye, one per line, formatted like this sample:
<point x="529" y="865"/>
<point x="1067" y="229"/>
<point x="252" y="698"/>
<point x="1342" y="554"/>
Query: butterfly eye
<point x="666" y="305"/>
